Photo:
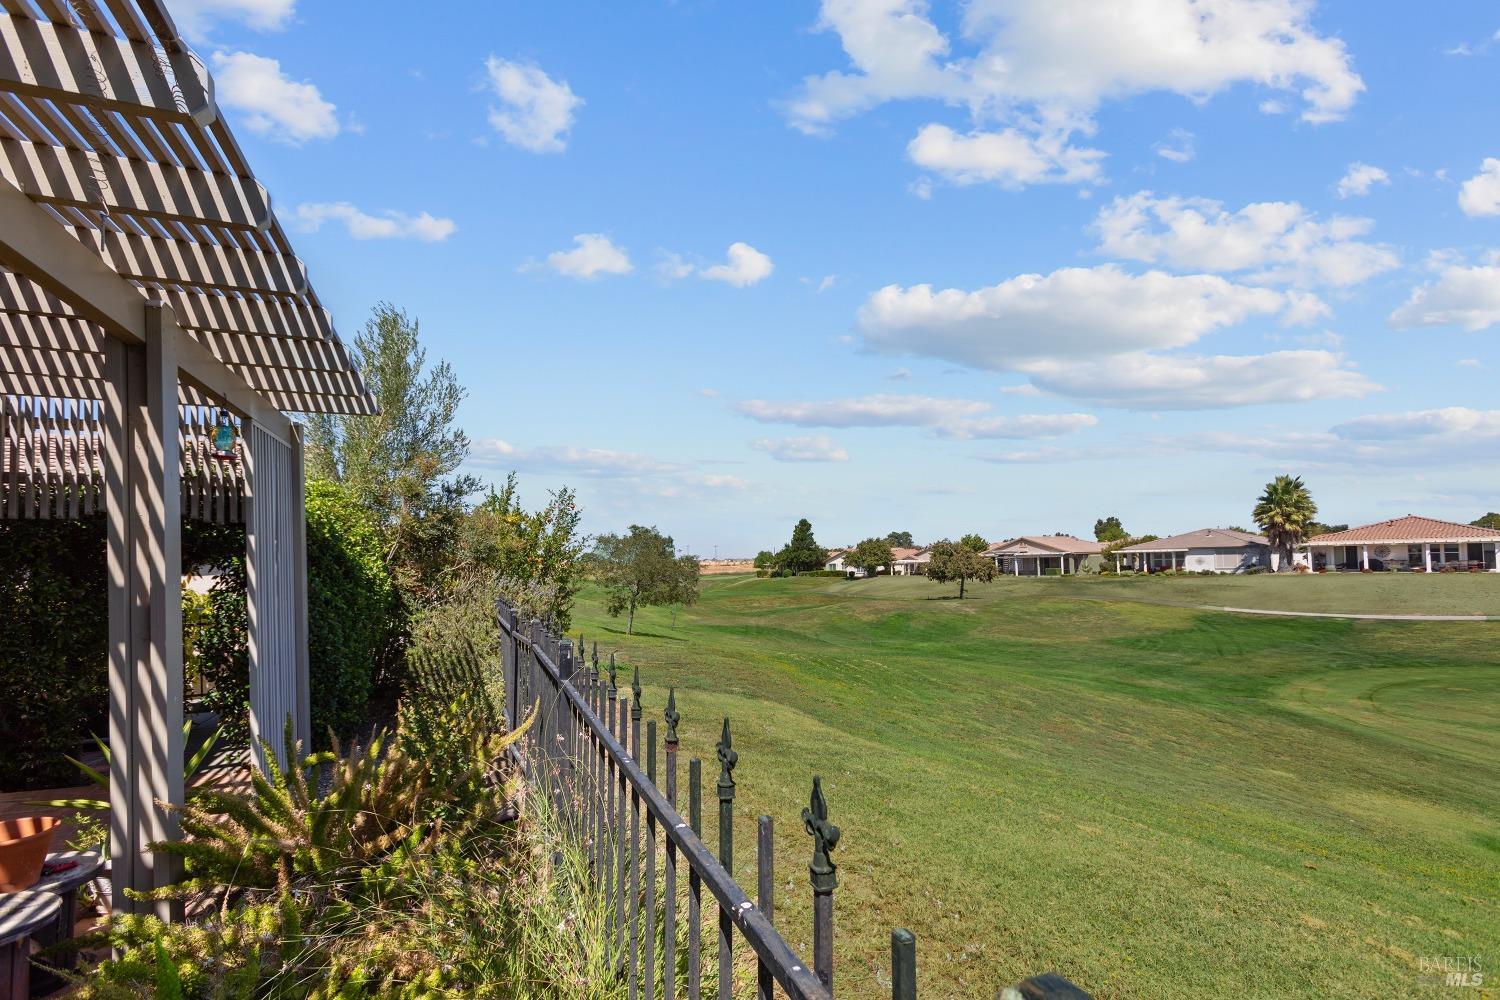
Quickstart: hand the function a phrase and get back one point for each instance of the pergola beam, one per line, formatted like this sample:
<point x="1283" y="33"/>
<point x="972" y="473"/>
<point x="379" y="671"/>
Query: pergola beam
<point x="202" y="265"/>
<point x="71" y="66"/>
<point x="60" y="175"/>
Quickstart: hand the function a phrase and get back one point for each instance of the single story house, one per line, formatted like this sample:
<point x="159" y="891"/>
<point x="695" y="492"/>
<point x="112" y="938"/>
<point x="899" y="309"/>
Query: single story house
<point x="837" y="560"/>
<point x="910" y="562"/>
<point x="1218" y="550"/>
<point x="1038" y="555"/>
<point x="1421" y="544"/>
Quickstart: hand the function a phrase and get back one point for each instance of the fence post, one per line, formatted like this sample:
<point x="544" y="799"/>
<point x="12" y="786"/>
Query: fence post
<point x="669" y="920"/>
<point x="824" y="880"/>
<point x="903" y="965"/>
<point x="765" y="873"/>
<point x="514" y="694"/>
<point x="727" y="759"/>
<point x="562" y="713"/>
<point x="648" y="986"/>
<point x="695" y="884"/>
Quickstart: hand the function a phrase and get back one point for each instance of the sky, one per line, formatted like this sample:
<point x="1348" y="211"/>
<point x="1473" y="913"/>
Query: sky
<point x="1000" y="266"/>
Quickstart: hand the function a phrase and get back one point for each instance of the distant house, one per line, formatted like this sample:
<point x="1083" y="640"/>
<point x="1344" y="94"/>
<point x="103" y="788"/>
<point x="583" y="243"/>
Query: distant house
<point x="837" y="561"/>
<point x="1039" y="555"/>
<point x="910" y="562"/>
<point x="1410" y="542"/>
<point x="1217" y="550"/>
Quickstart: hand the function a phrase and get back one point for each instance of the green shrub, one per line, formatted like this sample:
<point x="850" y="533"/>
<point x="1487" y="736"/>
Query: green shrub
<point x="54" y="673"/>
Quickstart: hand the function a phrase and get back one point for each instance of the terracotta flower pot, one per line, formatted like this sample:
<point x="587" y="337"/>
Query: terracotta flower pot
<point x="24" y="843"/>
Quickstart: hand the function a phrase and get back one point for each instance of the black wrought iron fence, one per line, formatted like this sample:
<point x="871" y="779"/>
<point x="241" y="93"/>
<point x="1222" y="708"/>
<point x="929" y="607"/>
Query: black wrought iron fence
<point x="586" y="752"/>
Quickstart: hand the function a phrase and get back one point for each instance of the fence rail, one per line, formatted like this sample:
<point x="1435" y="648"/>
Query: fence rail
<point x="586" y="753"/>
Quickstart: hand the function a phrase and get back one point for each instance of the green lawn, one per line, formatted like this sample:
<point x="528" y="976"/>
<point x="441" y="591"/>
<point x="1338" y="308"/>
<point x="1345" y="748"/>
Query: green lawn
<point x="1345" y="593"/>
<point x="1154" y="800"/>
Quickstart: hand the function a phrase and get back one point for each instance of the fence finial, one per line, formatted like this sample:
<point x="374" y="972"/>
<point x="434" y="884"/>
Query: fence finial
<point x="672" y="716"/>
<point x="727" y="759"/>
<point x="825" y="838"/>
<point x="596" y="656"/>
<point x="613" y="688"/>
<point x="635" y="693"/>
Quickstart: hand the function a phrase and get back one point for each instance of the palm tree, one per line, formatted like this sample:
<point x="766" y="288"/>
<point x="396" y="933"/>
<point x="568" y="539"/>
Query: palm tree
<point x="1284" y="512"/>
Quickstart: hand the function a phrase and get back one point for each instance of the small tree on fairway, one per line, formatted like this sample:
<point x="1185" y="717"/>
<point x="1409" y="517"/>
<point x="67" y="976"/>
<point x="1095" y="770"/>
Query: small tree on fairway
<point x="765" y="559"/>
<point x="959" y="562"/>
<point x="802" y="553"/>
<point x="1284" y="512"/>
<point x="639" y="569"/>
<point x="684" y="586"/>
<point x="870" y="554"/>
<point x="899" y="540"/>
<point x="1109" y="529"/>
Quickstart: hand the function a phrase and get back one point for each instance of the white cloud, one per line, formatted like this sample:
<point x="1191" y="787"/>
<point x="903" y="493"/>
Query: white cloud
<point x="196" y="17"/>
<point x="945" y="417"/>
<point x="535" y="111"/>
<point x="1024" y="389"/>
<point x="641" y="474"/>
<point x="1450" y="422"/>
<point x="708" y="393"/>
<point x="1008" y="157"/>
<point x="745" y="266"/>
<point x="273" y="104"/>
<point x="594" y="255"/>
<point x="388" y="225"/>
<point x="812" y="448"/>
<point x="1461" y="296"/>
<point x="826" y="283"/>
<point x="1142" y="381"/>
<point x="672" y="266"/>
<point x="1358" y="180"/>
<point x="1480" y="194"/>
<point x="1178" y="146"/>
<point x="1276" y="241"/>
<point x="1041" y="68"/>
<point x="1470" y="363"/>
<point x="1072" y="312"/>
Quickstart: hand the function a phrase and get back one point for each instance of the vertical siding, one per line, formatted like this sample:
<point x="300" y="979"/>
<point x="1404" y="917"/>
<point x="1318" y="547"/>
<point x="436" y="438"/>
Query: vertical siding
<point x="272" y="593"/>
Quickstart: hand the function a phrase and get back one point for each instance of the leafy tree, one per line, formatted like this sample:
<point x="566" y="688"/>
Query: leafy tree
<point x="802" y="553"/>
<point x="401" y="464"/>
<point x="684" y="584"/>
<point x="1316" y="528"/>
<point x="638" y="569"/>
<point x="1109" y="529"/>
<point x="765" y="559"/>
<point x="974" y="542"/>
<point x="870" y="554"/>
<point x="899" y="540"/>
<point x="959" y="563"/>
<point x="1284" y="512"/>
<point x="1490" y="520"/>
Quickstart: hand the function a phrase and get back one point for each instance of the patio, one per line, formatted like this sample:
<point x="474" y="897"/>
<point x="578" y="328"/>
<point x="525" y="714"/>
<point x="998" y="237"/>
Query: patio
<point x="155" y="332"/>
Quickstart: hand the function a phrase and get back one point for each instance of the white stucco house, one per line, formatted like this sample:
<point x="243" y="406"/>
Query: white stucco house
<point x="1042" y="555"/>
<point x="1216" y="550"/>
<point x="1420" y="544"/>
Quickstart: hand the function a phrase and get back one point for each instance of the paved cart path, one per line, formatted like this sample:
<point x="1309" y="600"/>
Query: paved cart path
<point x="1330" y="614"/>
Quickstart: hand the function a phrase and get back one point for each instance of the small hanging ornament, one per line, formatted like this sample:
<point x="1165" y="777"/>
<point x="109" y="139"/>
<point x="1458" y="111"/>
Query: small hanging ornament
<point x="224" y="437"/>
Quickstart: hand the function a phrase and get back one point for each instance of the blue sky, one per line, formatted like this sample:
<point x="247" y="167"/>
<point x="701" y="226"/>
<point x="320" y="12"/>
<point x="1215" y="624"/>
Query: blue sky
<point x="1004" y="266"/>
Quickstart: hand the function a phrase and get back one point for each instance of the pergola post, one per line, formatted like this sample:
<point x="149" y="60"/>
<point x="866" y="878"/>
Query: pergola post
<point x="144" y="559"/>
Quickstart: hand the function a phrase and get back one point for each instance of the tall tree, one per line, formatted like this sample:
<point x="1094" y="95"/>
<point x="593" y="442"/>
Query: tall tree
<point x="957" y="562"/>
<point x="1490" y="520"/>
<point x="1284" y="512"/>
<point x="401" y="464"/>
<point x="802" y="553"/>
<point x="684" y="587"/>
<point x="637" y="569"/>
<point x="899" y="540"/>
<point x="1109" y="529"/>
<point x="870" y="554"/>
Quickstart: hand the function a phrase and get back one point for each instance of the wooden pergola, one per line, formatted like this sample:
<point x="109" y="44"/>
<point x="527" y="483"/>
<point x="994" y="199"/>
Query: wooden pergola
<point x="146" y="286"/>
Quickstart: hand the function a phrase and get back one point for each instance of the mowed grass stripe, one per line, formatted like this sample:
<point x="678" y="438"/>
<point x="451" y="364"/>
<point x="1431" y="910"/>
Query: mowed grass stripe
<point x="1155" y="800"/>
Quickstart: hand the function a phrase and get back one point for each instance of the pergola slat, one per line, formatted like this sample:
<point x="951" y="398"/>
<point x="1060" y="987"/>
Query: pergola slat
<point x="175" y="262"/>
<point x="64" y="176"/>
<point x="53" y="60"/>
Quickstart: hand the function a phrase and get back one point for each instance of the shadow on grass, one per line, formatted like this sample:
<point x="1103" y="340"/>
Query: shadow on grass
<point x="645" y="635"/>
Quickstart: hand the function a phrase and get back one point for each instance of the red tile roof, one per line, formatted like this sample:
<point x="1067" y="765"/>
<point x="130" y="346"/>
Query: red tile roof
<point x="1410" y="528"/>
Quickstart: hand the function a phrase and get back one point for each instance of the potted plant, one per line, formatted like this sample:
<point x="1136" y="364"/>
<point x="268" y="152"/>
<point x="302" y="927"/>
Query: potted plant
<point x="24" y="844"/>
